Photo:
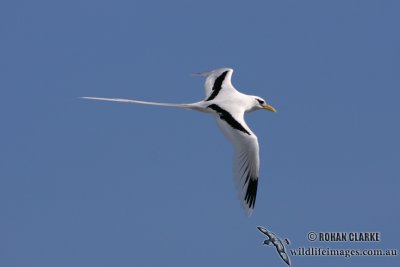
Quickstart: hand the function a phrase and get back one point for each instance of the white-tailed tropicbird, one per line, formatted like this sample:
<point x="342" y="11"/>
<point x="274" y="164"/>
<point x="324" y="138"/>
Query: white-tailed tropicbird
<point x="228" y="106"/>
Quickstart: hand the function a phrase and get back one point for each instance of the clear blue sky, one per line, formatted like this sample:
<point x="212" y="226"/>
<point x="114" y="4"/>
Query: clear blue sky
<point x="85" y="183"/>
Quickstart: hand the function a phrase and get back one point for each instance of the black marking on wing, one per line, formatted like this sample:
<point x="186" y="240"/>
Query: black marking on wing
<point x="251" y="193"/>
<point x="217" y="86"/>
<point x="247" y="178"/>
<point x="226" y="116"/>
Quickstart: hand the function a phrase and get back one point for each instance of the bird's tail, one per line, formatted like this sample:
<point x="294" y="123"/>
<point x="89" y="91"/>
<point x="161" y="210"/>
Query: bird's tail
<point x="188" y="106"/>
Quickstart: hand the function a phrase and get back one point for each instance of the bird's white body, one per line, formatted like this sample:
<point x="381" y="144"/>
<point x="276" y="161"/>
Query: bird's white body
<point x="228" y="106"/>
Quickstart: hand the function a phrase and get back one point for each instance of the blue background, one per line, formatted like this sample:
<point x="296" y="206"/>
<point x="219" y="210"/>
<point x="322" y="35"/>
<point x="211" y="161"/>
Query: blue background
<point x="86" y="183"/>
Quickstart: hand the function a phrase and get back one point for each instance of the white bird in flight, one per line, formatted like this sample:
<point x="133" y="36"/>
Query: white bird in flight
<point x="228" y="105"/>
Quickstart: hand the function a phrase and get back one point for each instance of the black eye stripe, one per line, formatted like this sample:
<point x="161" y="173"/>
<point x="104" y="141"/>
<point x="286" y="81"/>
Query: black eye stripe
<point x="260" y="101"/>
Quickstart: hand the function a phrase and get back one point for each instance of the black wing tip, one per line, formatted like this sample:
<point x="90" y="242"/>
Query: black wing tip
<point x="262" y="230"/>
<point x="251" y="193"/>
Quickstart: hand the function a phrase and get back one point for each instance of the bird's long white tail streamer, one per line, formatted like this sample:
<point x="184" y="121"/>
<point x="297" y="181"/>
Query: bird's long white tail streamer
<point x="189" y="106"/>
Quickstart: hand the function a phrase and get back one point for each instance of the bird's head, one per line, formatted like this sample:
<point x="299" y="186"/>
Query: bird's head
<point x="259" y="103"/>
<point x="267" y="242"/>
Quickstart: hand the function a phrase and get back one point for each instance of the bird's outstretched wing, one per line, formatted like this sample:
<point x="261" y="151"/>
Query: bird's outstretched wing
<point x="266" y="232"/>
<point x="218" y="82"/>
<point x="246" y="162"/>
<point x="246" y="169"/>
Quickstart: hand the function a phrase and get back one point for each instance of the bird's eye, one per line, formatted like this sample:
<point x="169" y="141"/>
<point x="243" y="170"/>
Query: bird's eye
<point x="260" y="101"/>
